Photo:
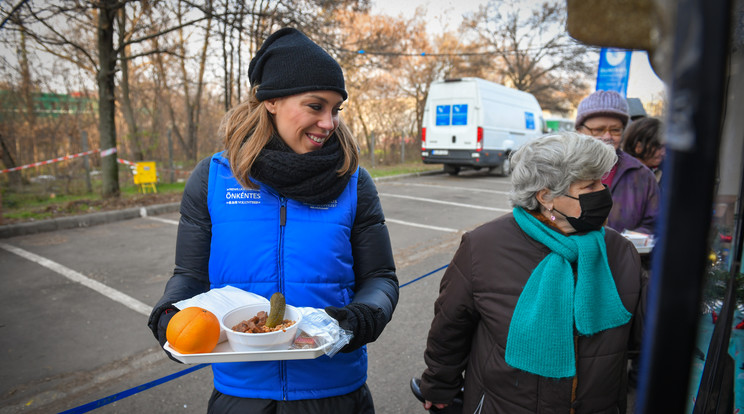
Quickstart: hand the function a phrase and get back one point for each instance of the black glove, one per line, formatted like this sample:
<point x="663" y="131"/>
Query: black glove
<point x="365" y="323"/>
<point x="165" y="318"/>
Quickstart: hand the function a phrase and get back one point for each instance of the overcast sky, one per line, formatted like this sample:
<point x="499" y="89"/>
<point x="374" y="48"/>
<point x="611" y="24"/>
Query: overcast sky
<point x="643" y="82"/>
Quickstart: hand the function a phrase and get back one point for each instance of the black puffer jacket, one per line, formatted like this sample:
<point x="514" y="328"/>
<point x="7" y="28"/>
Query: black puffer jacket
<point x="374" y="268"/>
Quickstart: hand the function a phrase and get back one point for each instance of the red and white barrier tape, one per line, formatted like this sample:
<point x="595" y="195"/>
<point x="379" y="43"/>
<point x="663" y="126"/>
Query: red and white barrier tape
<point x="123" y="161"/>
<point x="104" y="153"/>
<point x="107" y="152"/>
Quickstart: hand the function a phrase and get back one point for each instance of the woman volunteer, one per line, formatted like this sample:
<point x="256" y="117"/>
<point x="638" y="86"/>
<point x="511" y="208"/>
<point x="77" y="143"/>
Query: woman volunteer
<point x="286" y="208"/>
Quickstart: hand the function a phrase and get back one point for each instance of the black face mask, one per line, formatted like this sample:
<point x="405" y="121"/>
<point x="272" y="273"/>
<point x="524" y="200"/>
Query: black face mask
<point x="595" y="208"/>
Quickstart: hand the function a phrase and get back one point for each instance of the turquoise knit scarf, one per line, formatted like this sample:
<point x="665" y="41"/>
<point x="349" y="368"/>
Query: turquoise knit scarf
<point x="541" y="332"/>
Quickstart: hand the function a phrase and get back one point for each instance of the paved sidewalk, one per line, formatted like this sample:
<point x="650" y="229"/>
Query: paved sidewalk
<point x="87" y="220"/>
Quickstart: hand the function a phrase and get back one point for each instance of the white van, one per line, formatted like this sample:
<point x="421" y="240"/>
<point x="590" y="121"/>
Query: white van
<point x="471" y="122"/>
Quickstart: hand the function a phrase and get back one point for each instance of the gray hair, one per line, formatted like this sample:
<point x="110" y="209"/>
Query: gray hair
<point x="555" y="162"/>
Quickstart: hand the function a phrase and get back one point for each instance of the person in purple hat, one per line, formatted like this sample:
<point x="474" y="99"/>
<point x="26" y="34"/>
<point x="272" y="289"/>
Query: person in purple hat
<point x="635" y="192"/>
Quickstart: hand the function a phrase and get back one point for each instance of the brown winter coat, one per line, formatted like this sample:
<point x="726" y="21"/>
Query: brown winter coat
<point x="477" y="297"/>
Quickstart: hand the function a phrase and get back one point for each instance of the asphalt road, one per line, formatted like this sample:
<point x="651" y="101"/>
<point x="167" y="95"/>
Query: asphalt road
<point x="75" y="304"/>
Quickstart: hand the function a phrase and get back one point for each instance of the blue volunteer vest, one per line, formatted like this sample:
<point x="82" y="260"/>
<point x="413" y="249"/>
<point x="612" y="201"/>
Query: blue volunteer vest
<point x="265" y="243"/>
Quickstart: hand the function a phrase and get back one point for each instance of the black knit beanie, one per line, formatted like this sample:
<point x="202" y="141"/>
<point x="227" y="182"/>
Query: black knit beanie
<point x="289" y="63"/>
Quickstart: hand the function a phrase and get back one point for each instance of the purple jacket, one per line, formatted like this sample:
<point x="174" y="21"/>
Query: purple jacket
<point x="635" y="194"/>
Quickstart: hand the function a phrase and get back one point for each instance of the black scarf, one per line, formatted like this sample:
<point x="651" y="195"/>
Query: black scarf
<point x="309" y="178"/>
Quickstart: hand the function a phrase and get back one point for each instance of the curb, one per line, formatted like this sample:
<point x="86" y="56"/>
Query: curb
<point x="93" y="219"/>
<point x="85" y="220"/>
<point x="416" y="174"/>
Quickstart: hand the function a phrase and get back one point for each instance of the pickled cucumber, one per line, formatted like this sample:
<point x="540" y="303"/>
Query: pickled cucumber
<point x="276" y="313"/>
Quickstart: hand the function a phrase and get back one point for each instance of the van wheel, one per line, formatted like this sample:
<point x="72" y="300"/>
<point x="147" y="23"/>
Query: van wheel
<point x="505" y="169"/>
<point x="451" y="169"/>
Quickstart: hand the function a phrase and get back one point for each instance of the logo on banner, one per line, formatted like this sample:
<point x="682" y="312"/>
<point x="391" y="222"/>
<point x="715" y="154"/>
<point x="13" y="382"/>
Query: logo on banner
<point x="460" y="114"/>
<point x="443" y="115"/>
<point x="614" y="68"/>
<point x="529" y="120"/>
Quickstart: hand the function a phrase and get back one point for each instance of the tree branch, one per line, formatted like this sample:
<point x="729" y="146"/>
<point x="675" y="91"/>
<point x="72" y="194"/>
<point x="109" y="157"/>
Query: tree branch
<point x="158" y="34"/>
<point x="12" y="12"/>
<point x="60" y="41"/>
<point x="152" y="52"/>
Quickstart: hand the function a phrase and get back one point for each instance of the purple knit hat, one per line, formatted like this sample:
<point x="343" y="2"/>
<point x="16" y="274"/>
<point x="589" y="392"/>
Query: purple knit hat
<point x="603" y="103"/>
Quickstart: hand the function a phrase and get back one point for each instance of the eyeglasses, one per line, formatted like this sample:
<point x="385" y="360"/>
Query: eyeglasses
<point x="598" y="132"/>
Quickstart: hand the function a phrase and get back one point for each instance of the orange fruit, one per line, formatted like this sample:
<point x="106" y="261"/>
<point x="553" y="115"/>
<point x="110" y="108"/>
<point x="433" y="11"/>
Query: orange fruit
<point x="193" y="331"/>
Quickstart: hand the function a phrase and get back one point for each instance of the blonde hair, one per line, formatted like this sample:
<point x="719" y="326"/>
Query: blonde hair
<point x="249" y="126"/>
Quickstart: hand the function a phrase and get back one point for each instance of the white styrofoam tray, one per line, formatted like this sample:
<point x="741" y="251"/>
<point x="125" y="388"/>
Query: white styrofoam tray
<point x="224" y="353"/>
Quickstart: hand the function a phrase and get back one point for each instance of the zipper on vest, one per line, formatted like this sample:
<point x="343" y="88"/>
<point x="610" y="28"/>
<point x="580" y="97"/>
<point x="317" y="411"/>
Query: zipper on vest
<point x="283" y="212"/>
<point x="283" y="370"/>
<point x="280" y="248"/>
<point x="280" y="264"/>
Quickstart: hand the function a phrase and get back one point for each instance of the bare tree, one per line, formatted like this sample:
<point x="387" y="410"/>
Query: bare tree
<point x="366" y="74"/>
<point x="191" y="90"/>
<point x="126" y="102"/>
<point x="250" y="24"/>
<point x="73" y="44"/>
<point x="534" y="51"/>
<point x="398" y="63"/>
<point x="449" y="57"/>
<point x="179" y="64"/>
<point x="7" y="156"/>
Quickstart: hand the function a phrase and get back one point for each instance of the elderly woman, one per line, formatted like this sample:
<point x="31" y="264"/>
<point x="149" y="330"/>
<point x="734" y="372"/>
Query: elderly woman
<point x="540" y="308"/>
<point x="635" y="191"/>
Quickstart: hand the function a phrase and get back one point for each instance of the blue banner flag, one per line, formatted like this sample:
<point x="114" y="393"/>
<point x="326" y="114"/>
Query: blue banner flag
<point x="614" y="68"/>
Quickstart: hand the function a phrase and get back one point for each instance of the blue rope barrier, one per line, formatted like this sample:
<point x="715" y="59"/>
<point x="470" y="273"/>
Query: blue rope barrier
<point x="421" y="277"/>
<point x="128" y="393"/>
<point x="118" y="396"/>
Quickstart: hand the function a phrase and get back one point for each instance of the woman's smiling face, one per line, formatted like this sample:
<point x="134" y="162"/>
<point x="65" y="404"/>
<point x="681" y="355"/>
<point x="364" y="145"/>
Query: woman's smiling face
<point x="306" y="120"/>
